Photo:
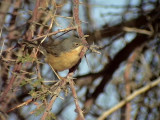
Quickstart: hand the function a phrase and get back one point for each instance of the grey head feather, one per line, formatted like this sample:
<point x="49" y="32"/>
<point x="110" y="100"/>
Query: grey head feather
<point x="62" y="46"/>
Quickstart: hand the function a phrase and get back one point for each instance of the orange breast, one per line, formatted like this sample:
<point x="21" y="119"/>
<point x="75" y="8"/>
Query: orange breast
<point x="65" y="61"/>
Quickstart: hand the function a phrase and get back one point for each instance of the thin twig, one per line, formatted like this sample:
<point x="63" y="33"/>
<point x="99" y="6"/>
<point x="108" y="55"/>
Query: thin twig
<point x="142" y="31"/>
<point x="54" y="33"/>
<point x="78" y="109"/>
<point x="56" y="92"/>
<point x="129" y="98"/>
<point x="2" y="42"/>
<point x="94" y="48"/>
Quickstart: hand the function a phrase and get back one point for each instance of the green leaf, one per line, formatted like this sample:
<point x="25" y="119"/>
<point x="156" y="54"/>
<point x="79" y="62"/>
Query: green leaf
<point x="51" y="116"/>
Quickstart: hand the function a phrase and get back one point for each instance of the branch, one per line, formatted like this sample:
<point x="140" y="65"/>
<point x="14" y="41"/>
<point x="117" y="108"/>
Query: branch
<point x="129" y="98"/>
<point x="78" y="24"/>
<point x="71" y="72"/>
<point x="31" y="30"/>
<point x="12" y="80"/>
<point x="57" y="91"/>
<point x="127" y="78"/>
<point x="110" y="68"/>
<point x="141" y="31"/>
<point x="119" y="28"/>
<point x="78" y="109"/>
<point x="54" y="33"/>
<point x="122" y="55"/>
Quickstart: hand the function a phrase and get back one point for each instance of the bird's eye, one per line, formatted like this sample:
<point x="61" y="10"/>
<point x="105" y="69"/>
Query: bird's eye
<point x="76" y="44"/>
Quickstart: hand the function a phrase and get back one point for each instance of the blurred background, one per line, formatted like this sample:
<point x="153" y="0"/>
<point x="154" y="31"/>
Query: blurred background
<point x="128" y="32"/>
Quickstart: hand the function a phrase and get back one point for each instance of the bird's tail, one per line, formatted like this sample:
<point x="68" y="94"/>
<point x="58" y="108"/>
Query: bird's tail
<point x="35" y="45"/>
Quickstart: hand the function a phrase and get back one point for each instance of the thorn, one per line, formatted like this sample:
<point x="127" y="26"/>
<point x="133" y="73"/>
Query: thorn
<point x="94" y="48"/>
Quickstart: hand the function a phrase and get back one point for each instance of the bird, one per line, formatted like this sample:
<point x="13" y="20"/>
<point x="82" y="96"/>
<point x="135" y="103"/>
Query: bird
<point x="61" y="55"/>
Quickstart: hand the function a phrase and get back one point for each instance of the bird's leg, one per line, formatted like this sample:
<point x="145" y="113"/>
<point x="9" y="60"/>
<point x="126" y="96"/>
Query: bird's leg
<point x="60" y="78"/>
